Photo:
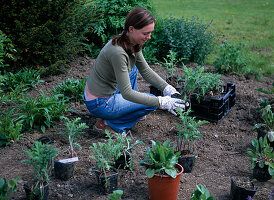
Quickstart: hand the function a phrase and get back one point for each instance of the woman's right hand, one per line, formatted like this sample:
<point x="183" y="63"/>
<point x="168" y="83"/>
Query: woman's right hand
<point x="170" y="104"/>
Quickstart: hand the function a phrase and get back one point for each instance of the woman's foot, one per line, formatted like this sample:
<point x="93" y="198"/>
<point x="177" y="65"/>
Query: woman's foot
<point x="101" y="127"/>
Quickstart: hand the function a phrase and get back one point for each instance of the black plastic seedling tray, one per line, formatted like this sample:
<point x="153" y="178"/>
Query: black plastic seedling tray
<point x="211" y="109"/>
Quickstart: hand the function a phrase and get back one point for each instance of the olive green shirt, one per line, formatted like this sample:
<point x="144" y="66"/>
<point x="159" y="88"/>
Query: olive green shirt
<point x="112" y="67"/>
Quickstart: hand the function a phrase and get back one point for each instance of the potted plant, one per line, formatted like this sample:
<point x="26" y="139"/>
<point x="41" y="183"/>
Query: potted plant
<point x="266" y="128"/>
<point x="7" y="187"/>
<point x="105" y="154"/>
<point x="168" y="67"/>
<point x="163" y="171"/>
<point x="64" y="168"/>
<point x="201" y="193"/>
<point x="40" y="158"/>
<point x="242" y="187"/>
<point x="126" y="158"/>
<point x="262" y="159"/>
<point x="187" y="135"/>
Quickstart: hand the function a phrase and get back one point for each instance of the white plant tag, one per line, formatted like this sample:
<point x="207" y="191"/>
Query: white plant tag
<point x="69" y="160"/>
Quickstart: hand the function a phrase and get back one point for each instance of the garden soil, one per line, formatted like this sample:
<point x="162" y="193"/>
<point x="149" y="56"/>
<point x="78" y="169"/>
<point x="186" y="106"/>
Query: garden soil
<point x="222" y="152"/>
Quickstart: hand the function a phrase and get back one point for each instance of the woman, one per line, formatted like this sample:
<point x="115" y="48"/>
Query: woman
<point x="111" y="89"/>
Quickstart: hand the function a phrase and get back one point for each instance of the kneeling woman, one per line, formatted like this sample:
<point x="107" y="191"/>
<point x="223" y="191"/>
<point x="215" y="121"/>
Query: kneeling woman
<point x="111" y="89"/>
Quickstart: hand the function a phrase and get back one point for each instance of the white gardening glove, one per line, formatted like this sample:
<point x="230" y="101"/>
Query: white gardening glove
<point x="169" y="90"/>
<point x="170" y="104"/>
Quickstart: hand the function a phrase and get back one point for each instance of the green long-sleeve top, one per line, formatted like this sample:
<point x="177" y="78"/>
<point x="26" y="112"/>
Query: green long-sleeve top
<point x="112" y="67"/>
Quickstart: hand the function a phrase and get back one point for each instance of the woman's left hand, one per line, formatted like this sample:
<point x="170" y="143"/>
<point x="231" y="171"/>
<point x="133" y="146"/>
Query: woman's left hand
<point x="169" y="90"/>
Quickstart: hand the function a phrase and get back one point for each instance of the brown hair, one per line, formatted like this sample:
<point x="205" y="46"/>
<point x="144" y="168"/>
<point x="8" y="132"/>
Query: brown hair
<point x="138" y="18"/>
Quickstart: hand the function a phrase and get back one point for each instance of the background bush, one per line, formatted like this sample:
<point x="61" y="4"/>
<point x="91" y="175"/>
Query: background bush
<point x="44" y="31"/>
<point x="110" y="18"/>
<point x="189" y="38"/>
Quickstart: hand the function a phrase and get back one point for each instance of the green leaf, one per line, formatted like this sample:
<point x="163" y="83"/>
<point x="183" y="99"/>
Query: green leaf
<point x="150" y="172"/>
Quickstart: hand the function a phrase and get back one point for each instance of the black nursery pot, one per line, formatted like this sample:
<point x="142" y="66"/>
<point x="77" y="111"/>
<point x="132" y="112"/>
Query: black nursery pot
<point x="187" y="162"/>
<point x="261" y="174"/>
<point x="63" y="171"/>
<point x="42" y="195"/>
<point x="240" y="193"/>
<point x="107" y="184"/>
<point x="123" y="162"/>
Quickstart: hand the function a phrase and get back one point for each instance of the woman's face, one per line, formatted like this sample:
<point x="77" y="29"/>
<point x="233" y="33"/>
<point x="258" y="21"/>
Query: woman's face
<point x="140" y="36"/>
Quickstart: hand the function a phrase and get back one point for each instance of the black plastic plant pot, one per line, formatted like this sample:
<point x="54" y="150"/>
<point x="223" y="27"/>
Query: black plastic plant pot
<point x="155" y="91"/>
<point x="42" y="194"/>
<point x="123" y="162"/>
<point x="261" y="174"/>
<point x="241" y="191"/>
<point x="187" y="162"/>
<point x="214" y="109"/>
<point x="63" y="171"/>
<point x="107" y="183"/>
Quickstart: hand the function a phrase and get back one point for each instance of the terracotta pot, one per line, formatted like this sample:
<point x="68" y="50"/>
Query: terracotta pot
<point x="164" y="187"/>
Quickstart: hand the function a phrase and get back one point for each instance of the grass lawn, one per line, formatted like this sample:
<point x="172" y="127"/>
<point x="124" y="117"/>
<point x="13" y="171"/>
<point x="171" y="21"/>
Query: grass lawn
<point x="250" y="22"/>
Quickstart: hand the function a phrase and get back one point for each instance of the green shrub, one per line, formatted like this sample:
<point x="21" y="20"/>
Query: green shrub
<point x="231" y="59"/>
<point x="6" y="49"/>
<point x="110" y="18"/>
<point x="44" y="32"/>
<point x="72" y="89"/>
<point x="189" y="38"/>
<point x="201" y="193"/>
<point x="40" y="112"/>
<point x="10" y="130"/>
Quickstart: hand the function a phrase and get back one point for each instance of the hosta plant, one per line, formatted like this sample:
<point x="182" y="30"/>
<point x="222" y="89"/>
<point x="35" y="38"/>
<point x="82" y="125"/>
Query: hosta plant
<point x="7" y="187"/>
<point x="40" y="112"/>
<point x="262" y="154"/>
<point x="74" y="130"/>
<point x="201" y="193"/>
<point x="116" y="195"/>
<point x="72" y="89"/>
<point x="188" y="132"/>
<point x="24" y="79"/>
<point x="268" y="122"/>
<point x="160" y="159"/>
<point x="10" y="130"/>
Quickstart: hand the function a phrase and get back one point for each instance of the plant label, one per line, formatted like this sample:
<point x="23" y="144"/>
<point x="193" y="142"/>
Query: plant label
<point x="69" y="160"/>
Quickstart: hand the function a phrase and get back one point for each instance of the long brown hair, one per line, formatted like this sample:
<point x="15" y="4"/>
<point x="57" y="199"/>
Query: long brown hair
<point x="138" y="18"/>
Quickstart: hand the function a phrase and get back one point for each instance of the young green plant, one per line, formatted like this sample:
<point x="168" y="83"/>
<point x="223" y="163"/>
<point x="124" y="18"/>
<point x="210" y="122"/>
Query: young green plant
<point x="74" y="130"/>
<point x="126" y="144"/>
<point x="160" y="159"/>
<point x="262" y="154"/>
<point x="40" y="158"/>
<point x="188" y="132"/>
<point x="198" y="83"/>
<point x="7" y="187"/>
<point x="201" y="193"/>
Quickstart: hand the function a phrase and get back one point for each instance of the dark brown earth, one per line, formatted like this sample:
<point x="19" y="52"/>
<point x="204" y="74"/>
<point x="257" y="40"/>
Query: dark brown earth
<point x="221" y="152"/>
